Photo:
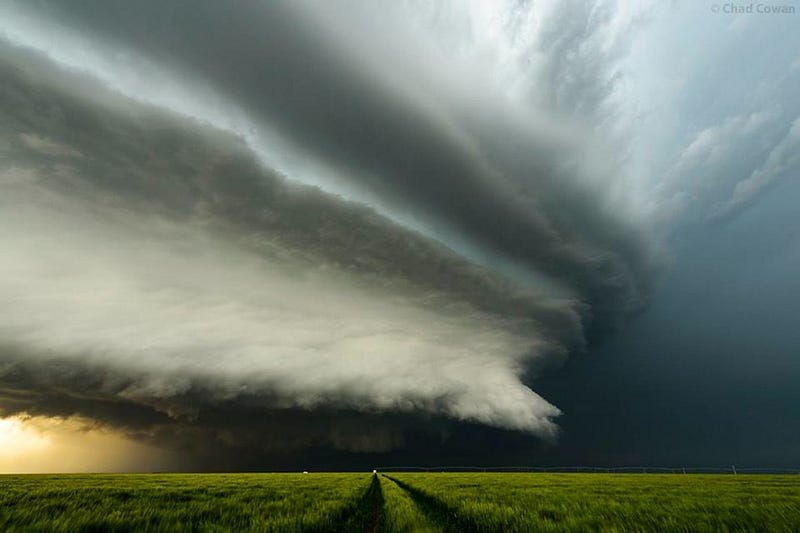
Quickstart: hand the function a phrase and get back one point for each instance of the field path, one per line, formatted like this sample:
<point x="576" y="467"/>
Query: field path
<point x="376" y="501"/>
<point x="365" y="515"/>
<point x="401" y="512"/>
<point x="438" y="515"/>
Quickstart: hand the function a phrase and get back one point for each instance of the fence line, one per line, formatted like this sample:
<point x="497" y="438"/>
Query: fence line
<point x="593" y="469"/>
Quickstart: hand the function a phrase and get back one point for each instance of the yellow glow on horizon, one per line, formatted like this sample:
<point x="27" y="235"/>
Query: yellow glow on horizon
<point x="58" y="445"/>
<point x="17" y="438"/>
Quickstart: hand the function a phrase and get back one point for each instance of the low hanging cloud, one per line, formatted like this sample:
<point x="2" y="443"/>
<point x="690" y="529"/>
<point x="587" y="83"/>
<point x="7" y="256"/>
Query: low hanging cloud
<point x="160" y="277"/>
<point x="200" y="271"/>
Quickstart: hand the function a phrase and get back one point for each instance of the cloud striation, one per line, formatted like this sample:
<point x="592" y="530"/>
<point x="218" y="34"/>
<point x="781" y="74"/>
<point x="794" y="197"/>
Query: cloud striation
<point x="312" y="229"/>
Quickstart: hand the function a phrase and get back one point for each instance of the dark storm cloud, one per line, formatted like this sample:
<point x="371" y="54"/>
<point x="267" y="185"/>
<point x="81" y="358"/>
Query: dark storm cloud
<point x="163" y="279"/>
<point x="156" y="274"/>
<point x="363" y="109"/>
<point x="214" y="434"/>
<point x="96" y="154"/>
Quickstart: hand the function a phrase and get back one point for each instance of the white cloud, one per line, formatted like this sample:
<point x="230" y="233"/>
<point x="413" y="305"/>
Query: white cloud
<point x="48" y="147"/>
<point x="170" y="308"/>
<point x="781" y="161"/>
<point x="707" y="160"/>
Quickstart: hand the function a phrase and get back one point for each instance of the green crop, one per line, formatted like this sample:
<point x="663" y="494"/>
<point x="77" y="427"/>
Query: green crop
<point x="181" y="502"/>
<point x="400" y="502"/>
<point x="606" y="502"/>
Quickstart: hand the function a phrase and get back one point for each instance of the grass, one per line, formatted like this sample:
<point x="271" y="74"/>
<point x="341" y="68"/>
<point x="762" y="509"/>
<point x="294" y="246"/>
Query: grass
<point x="606" y="502"/>
<point x="404" y="502"/>
<point x="184" y="502"/>
<point x="402" y="514"/>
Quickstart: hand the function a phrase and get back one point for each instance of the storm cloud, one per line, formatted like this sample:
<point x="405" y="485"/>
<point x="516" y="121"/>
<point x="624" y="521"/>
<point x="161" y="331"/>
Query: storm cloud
<point x="272" y="226"/>
<point x="151" y="257"/>
<point x="169" y="256"/>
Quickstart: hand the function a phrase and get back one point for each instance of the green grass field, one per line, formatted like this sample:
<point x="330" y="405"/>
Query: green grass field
<point x="400" y="502"/>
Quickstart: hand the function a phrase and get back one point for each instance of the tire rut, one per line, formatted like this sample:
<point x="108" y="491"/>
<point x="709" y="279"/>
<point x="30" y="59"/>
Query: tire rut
<point x="437" y="511"/>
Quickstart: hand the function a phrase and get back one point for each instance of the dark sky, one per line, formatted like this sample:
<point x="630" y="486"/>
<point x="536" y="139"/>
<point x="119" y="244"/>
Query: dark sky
<point x="272" y="235"/>
<point x="707" y="375"/>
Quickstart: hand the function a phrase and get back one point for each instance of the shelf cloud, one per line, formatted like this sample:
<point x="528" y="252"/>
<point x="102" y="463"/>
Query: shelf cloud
<point x="275" y="226"/>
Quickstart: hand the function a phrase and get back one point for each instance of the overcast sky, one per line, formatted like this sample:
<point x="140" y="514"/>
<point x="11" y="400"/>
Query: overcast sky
<point x="269" y="235"/>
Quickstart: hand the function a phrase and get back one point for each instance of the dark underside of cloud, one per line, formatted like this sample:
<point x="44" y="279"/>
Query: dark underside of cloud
<point x="161" y="279"/>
